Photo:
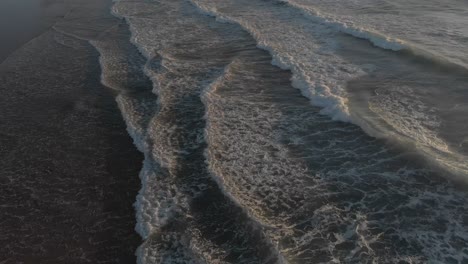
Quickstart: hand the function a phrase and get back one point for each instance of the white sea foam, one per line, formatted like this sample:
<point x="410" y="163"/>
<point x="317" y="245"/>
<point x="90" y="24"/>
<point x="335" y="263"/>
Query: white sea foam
<point x="308" y="178"/>
<point x="350" y="28"/>
<point x="435" y="29"/>
<point x="309" y="46"/>
<point x="173" y="78"/>
<point x="320" y="189"/>
<point x="301" y="50"/>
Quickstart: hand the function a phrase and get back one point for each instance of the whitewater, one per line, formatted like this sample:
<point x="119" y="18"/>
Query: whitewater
<point x="295" y="131"/>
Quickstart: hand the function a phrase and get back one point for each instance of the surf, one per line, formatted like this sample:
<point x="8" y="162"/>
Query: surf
<point x="232" y="147"/>
<point x="322" y="73"/>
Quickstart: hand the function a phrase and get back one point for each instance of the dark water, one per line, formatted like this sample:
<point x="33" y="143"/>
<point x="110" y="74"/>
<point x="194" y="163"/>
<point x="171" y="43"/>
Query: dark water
<point x="239" y="166"/>
<point x="22" y="20"/>
<point x="69" y="169"/>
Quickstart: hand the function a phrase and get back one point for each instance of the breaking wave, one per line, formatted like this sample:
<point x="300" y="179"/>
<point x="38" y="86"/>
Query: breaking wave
<point x="240" y="168"/>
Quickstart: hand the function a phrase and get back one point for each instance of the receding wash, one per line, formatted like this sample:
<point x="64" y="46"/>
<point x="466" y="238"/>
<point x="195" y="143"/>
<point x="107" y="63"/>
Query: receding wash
<point x="292" y="131"/>
<point x="301" y="131"/>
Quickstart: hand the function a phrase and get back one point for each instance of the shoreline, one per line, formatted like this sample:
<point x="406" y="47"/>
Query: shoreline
<point x="70" y="174"/>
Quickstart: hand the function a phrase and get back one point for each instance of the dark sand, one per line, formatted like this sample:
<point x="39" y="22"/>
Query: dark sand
<point x="69" y="171"/>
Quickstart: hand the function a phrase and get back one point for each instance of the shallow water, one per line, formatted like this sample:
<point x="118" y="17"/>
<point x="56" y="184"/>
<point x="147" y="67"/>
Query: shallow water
<point x="354" y="166"/>
<point x="22" y="20"/>
<point x="68" y="177"/>
<point x="286" y="131"/>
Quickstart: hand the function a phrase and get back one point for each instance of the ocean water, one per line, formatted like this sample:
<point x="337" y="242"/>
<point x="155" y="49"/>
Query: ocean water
<point x="291" y="131"/>
<point x="23" y="20"/>
<point x="299" y="131"/>
<point x="69" y="168"/>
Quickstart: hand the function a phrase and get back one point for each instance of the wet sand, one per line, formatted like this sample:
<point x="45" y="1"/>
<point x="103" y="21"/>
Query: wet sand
<point x="69" y="169"/>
